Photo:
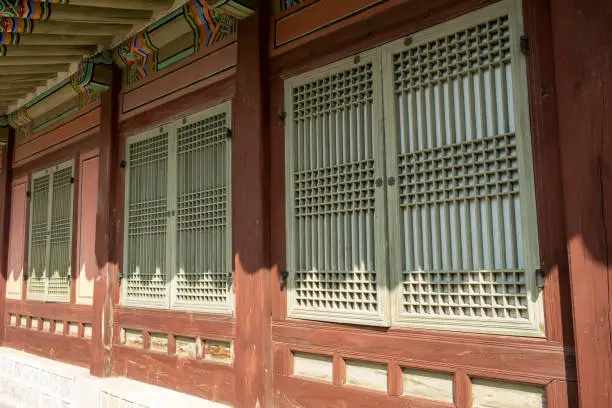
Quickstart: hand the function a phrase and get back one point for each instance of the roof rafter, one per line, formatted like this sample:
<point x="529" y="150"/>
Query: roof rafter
<point x="42" y="50"/>
<point x="42" y="60"/>
<point x="42" y="40"/>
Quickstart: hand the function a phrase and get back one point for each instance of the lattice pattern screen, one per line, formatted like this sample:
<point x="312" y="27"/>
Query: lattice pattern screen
<point x="333" y="183"/>
<point x="147" y="220"/>
<point x="458" y="177"/>
<point x="58" y="285"/>
<point x="203" y="253"/>
<point x="39" y="233"/>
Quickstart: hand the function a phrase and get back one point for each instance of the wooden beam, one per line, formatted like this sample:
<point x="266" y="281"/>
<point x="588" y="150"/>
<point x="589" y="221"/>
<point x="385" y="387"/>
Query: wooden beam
<point x="7" y="104"/>
<point x="65" y="12"/>
<point x="5" y="216"/>
<point x="126" y="4"/>
<point x="582" y="43"/>
<point x="250" y="214"/>
<point x="34" y="69"/>
<point x="12" y="79"/>
<point x="80" y="28"/>
<point x="17" y="89"/>
<point x="107" y="226"/>
<point x="36" y="60"/>
<point x="65" y="39"/>
<point x="12" y="97"/>
<point x="20" y="86"/>
<point x="39" y="50"/>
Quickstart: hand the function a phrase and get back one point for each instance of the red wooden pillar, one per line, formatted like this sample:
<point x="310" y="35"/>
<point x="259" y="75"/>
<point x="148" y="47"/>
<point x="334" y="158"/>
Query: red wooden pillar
<point x="250" y="224"/>
<point x="6" y="162"/>
<point x="583" y="64"/>
<point x="106" y="232"/>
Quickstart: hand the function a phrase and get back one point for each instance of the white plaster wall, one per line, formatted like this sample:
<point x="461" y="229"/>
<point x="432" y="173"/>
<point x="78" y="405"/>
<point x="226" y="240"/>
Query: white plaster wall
<point x="28" y="381"/>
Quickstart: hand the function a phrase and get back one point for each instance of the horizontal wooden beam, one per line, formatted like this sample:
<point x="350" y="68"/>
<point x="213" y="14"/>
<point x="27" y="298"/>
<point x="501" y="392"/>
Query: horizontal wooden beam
<point x="34" y="69"/>
<point x="126" y="4"/>
<point x="17" y="78"/>
<point x="65" y="12"/>
<point x="80" y="28"/>
<point x="8" y="95"/>
<point x="12" y="97"/>
<point x="17" y="88"/>
<point x="65" y="39"/>
<point x="4" y="86"/>
<point x="39" y="50"/>
<point x="35" y="60"/>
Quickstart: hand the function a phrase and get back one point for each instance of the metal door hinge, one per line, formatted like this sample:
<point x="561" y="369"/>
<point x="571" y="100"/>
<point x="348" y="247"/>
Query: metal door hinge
<point x="540" y="278"/>
<point x="28" y="193"/>
<point x="524" y="44"/>
<point x="122" y="164"/>
<point x="230" y="279"/>
<point x="283" y="276"/>
<point x="71" y="180"/>
<point x="228" y="133"/>
<point x="282" y="116"/>
<point x="120" y="276"/>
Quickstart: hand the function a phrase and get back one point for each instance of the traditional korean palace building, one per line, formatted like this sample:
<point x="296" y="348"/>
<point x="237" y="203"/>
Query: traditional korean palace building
<point x="317" y="203"/>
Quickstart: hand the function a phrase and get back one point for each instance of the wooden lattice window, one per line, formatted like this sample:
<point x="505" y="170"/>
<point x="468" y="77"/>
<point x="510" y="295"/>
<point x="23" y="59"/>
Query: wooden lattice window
<point x="177" y="215"/>
<point x="50" y="240"/>
<point x="451" y="194"/>
<point x="335" y="212"/>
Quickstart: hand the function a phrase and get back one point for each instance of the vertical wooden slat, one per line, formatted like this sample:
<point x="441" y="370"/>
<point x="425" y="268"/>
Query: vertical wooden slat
<point x="250" y="214"/>
<point x="146" y="340"/>
<point x="547" y="167"/>
<point x="106" y="233"/>
<point x="74" y="254"/>
<point x="6" y="161"/>
<point x="463" y="390"/>
<point x="339" y="370"/>
<point x="562" y="394"/>
<point x="582" y="41"/>
<point x="395" y="380"/>
<point x="171" y="344"/>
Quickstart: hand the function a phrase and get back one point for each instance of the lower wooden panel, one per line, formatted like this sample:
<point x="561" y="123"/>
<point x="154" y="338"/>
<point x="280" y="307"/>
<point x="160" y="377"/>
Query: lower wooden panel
<point x="512" y="359"/>
<point x="71" y="350"/>
<point x="202" y="379"/>
<point x="175" y="322"/>
<point x="55" y="311"/>
<point x="296" y="392"/>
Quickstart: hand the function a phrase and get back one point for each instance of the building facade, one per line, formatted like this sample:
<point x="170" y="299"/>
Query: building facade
<point x="312" y="204"/>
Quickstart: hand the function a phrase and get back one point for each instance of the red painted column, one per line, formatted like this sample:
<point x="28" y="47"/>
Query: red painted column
<point x="583" y="65"/>
<point x="106" y="232"/>
<point x="6" y="162"/>
<point x="250" y="212"/>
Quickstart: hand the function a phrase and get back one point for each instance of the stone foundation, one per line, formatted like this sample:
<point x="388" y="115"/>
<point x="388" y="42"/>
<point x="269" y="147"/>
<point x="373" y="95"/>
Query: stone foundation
<point x="28" y="381"/>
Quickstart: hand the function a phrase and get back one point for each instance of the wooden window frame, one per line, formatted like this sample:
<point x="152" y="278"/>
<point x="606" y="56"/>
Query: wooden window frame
<point x="382" y="317"/>
<point x="170" y="302"/>
<point x="50" y="171"/>
<point x="535" y="326"/>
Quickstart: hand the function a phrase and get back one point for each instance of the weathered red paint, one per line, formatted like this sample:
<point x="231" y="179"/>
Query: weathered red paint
<point x="583" y="66"/>
<point x="250" y="214"/>
<point x="87" y="268"/>
<point x="17" y="239"/>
